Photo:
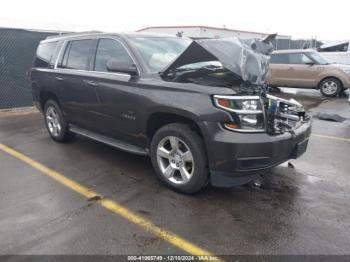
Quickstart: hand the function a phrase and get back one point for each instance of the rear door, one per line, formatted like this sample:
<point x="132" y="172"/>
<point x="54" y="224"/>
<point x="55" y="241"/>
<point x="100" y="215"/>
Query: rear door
<point x="73" y="81"/>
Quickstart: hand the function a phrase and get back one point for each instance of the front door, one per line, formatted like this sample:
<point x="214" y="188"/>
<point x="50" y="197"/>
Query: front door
<point x="302" y="71"/>
<point x="118" y="110"/>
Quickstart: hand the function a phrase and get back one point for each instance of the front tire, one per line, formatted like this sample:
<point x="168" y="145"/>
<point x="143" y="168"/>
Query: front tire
<point x="330" y="87"/>
<point x="179" y="158"/>
<point x="56" y="123"/>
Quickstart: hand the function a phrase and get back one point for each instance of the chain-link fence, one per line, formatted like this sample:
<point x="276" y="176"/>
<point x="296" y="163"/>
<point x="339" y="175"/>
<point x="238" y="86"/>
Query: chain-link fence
<point x="17" y="49"/>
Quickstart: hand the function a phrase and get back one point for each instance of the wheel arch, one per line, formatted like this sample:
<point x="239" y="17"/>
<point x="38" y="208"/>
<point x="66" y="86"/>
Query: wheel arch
<point x="44" y="96"/>
<point x="334" y="77"/>
<point x="156" y="120"/>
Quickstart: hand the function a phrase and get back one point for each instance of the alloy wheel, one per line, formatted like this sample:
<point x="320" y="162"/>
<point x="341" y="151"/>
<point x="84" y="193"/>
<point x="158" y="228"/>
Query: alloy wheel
<point x="175" y="160"/>
<point x="53" y="121"/>
<point x="330" y="87"/>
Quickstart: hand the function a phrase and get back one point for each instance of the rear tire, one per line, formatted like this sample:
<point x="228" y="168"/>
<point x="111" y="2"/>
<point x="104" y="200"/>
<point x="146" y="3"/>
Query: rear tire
<point x="56" y="123"/>
<point x="179" y="158"/>
<point x="330" y="87"/>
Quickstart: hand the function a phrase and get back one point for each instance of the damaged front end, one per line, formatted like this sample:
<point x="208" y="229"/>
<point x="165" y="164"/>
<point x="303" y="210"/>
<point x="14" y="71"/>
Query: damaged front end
<point x="242" y="66"/>
<point x="283" y="115"/>
<point x="264" y="113"/>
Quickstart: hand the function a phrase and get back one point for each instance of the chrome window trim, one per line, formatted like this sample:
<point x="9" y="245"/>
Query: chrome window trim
<point x="71" y="36"/>
<point x="60" y="53"/>
<point x="63" y="47"/>
<point x="90" y="71"/>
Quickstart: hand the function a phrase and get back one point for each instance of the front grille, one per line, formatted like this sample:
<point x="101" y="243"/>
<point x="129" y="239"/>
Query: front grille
<point x="283" y="115"/>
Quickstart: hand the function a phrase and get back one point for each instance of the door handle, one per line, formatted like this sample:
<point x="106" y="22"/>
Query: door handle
<point x="59" y="78"/>
<point x="91" y="83"/>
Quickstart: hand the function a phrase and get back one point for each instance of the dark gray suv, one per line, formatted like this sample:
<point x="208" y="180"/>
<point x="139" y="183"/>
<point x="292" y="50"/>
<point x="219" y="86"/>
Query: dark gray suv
<point x="198" y="108"/>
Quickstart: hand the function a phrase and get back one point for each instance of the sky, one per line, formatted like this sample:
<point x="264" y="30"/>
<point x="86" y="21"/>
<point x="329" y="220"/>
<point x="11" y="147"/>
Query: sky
<point x="325" y="20"/>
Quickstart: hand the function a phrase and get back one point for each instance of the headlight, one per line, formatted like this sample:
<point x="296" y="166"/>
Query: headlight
<point x="247" y="112"/>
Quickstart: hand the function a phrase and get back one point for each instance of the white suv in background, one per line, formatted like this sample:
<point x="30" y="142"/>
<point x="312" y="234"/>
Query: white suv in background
<point x="336" y="52"/>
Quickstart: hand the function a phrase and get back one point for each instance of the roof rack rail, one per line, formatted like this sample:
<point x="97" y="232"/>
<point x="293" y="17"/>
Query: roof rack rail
<point x="74" y="34"/>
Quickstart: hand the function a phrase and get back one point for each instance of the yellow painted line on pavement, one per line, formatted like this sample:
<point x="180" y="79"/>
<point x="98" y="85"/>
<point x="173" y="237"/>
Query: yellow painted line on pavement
<point x="111" y="205"/>
<point x="332" y="137"/>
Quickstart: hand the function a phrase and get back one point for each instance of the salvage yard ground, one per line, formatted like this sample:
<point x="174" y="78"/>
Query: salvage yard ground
<point x="46" y="206"/>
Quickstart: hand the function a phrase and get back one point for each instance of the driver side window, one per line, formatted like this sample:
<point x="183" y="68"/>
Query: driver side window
<point x="109" y="49"/>
<point x="299" y="59"/>
<point x="306" y="59"/>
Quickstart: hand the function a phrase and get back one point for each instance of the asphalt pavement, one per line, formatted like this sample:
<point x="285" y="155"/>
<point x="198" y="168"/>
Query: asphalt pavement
<point x="298" y="208"/>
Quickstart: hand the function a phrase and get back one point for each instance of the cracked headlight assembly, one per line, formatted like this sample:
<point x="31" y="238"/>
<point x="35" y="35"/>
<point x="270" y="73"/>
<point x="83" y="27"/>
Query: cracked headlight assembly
<point x="247" y="112"/>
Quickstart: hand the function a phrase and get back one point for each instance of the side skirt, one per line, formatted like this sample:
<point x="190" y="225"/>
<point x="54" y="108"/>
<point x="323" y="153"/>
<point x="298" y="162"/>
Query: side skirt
<point x="109" y="141"/>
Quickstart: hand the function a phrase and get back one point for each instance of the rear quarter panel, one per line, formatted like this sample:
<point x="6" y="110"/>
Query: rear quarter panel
<point x="41" y="80"/>
<point x="336" y="72"/>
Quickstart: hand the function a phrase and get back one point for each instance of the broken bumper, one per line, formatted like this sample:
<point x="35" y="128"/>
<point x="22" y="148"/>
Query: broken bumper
<point x="237" y="158"/>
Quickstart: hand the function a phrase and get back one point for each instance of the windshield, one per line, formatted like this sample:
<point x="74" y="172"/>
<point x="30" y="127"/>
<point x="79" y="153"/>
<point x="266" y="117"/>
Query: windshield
<point x="158" y="52"/>
<point x="318" y="58"/>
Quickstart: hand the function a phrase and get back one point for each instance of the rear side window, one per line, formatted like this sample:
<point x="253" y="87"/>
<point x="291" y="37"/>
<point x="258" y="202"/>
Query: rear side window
<point x="279" y="59"/>
<point x="300" y="58"/>
<point x="77" y="55"/>
<point x="110" y="49"/>
<point x="44" y="54"/>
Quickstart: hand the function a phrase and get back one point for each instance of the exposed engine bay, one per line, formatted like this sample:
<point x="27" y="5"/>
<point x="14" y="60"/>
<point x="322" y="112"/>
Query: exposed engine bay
<point x="283" y="115"/>
<point x="241" y="65"/>
<point x="207" y="76"/>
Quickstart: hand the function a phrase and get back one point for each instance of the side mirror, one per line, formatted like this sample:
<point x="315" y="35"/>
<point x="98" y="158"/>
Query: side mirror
<point x="309" y="63"/>
<point x="120" y="66"/>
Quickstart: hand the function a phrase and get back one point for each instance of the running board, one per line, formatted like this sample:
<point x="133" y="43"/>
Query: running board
<point x="109" y="141"/>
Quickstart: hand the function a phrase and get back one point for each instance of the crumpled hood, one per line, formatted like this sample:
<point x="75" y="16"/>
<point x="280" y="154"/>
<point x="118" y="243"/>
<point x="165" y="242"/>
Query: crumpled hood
<point x="248" y="59"/>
